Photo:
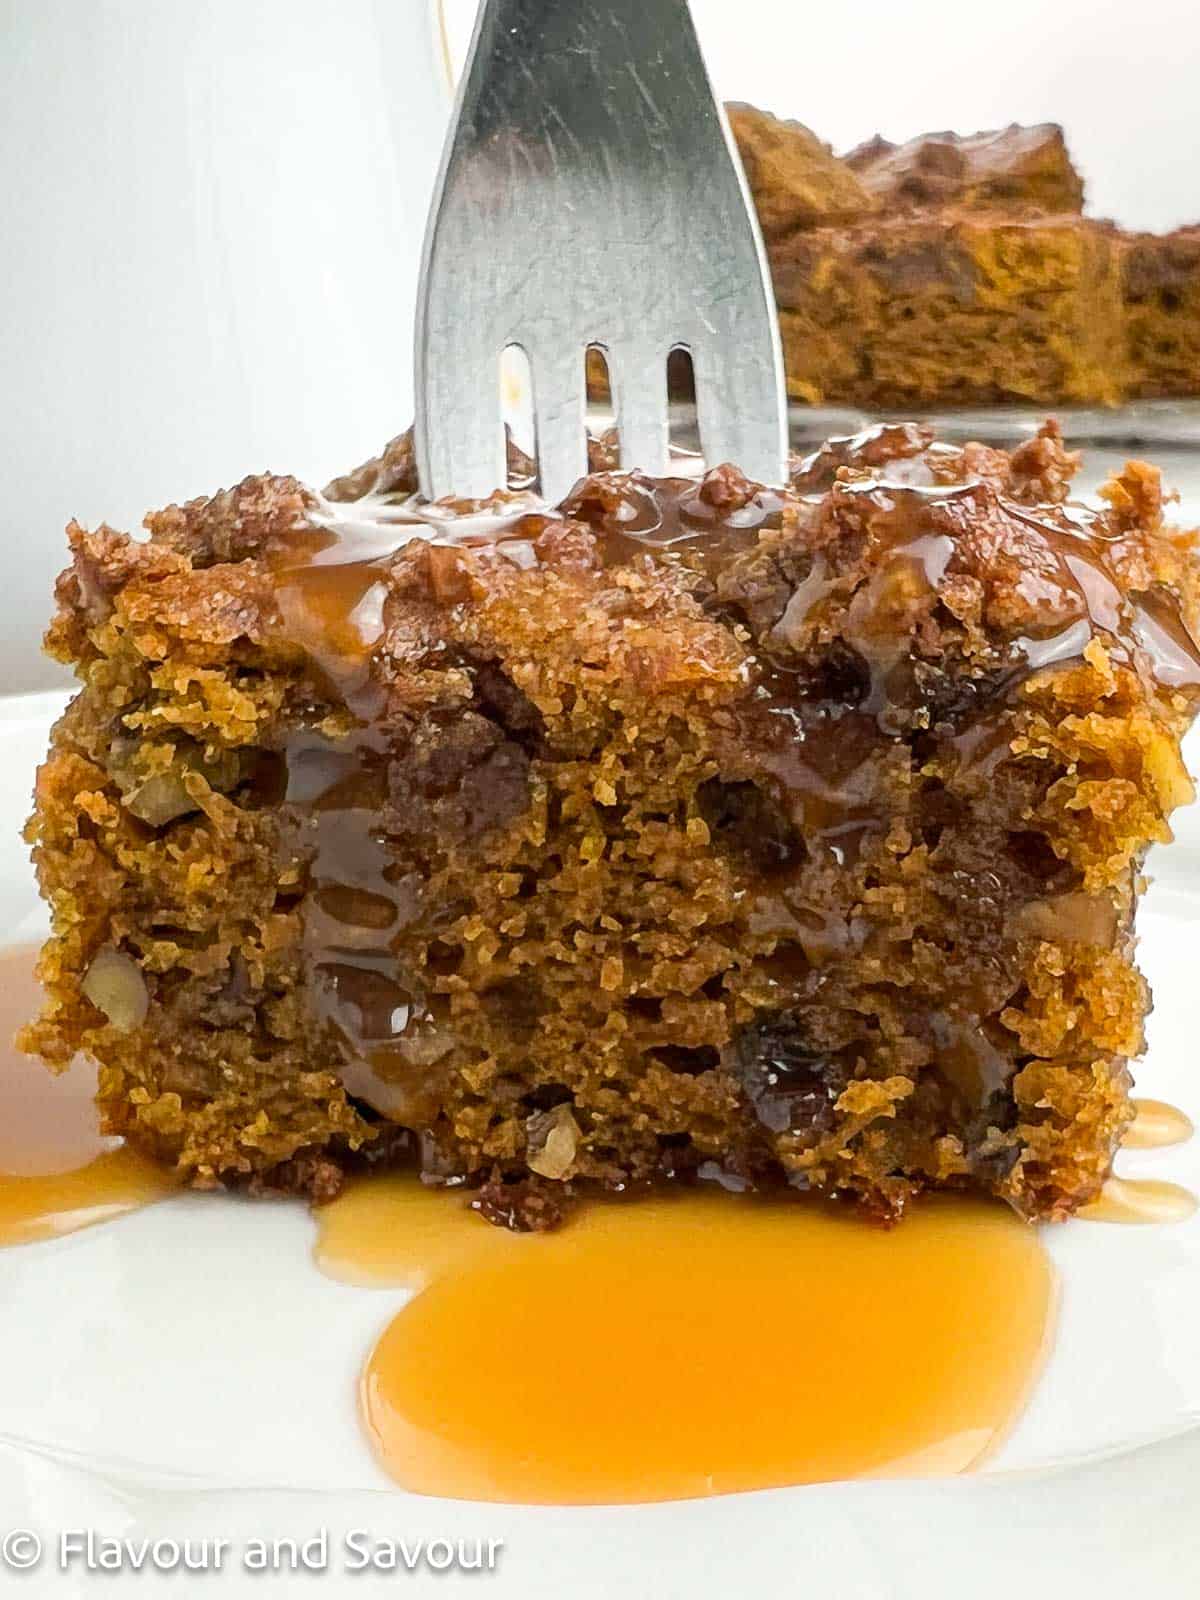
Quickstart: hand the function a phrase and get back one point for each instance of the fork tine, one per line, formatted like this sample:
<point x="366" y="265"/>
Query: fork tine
<point x="639" y="380"/>
<point x="740" y="406"/>
<point x="567" y="214"/>
<point x="559" y="409"/>
<point x="460" y="447"/>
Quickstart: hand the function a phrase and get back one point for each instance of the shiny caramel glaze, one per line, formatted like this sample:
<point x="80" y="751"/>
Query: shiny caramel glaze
<point x="332" y="575"/>
<point x="641" y="1332"/>
<point x="57" y="1173"/>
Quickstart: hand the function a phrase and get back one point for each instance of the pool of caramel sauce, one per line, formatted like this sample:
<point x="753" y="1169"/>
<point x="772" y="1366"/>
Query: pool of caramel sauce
<point x="57" y="1172"/>
<point x="687" y="1344"/>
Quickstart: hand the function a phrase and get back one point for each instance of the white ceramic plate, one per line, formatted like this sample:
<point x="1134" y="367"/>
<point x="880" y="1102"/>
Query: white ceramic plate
<point x="187" y="1371"/>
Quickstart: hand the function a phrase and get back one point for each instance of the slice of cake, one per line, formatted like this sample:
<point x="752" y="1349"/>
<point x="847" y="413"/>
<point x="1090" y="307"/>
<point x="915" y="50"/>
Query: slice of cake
<point x="956" y="309"/>
<point x="953" y="270"/>
<point x="688" y="830"/>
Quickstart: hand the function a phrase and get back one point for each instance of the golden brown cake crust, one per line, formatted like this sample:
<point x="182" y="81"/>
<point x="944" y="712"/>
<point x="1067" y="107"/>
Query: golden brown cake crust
<point x="693" y="829"/>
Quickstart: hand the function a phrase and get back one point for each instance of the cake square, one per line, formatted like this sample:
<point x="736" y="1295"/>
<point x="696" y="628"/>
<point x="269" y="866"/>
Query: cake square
<point x="690" y="830"/>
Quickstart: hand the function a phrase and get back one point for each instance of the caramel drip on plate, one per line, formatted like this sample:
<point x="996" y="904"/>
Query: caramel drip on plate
<point x="687" y="1345"/>
<point x="1158" y="1125"/>
<point x="57" y="1172"/>
<point x="1141" y="1200"/>
<point x="1147" y="1200"/>
<point x="108" y="1187"/>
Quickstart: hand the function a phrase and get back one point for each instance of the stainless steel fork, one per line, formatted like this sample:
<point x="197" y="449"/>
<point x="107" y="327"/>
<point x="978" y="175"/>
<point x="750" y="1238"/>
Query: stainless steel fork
<point x="591" y="194"/>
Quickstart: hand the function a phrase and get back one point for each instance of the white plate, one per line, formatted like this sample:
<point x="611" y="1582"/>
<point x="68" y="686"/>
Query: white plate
<point x="186" y="1371"/>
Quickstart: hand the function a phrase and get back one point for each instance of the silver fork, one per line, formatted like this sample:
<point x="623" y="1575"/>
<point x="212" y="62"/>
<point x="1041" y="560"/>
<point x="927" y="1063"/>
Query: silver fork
<point x="591" y="194"/>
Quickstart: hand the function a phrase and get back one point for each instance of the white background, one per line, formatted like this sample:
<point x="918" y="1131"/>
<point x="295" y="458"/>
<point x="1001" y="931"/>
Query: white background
<point x="211" y="217"/>
<point x="212" y="211"/>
